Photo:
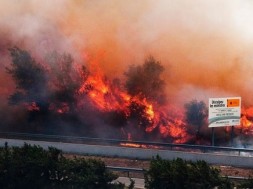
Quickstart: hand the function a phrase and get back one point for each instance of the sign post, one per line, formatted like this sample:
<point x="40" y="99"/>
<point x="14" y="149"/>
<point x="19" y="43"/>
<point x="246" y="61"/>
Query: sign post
<point x="232" y="136"/>
<point x="224" y="112"/>
<point x="212" y="136"/>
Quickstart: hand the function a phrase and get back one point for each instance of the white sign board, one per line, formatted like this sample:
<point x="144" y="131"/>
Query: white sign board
<point x="224" y="112"/>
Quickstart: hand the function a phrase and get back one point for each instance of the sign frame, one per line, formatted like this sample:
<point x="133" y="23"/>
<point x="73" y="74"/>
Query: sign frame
<point x="224" y="112"/>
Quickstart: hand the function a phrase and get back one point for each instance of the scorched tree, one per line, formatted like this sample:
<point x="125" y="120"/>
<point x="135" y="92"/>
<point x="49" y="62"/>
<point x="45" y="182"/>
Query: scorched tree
<point x="30" y="78"/>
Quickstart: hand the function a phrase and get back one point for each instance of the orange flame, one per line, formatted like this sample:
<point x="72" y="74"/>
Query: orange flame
<point x="134" y="145"/>
<point x="246" y="121"/>
<point x="107" y="97"/>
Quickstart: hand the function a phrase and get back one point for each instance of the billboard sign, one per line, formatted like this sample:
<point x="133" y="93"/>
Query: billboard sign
<point x="224" y="112"/>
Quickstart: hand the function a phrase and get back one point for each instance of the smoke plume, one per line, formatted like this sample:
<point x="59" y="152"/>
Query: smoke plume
<point x="212" y="39"/>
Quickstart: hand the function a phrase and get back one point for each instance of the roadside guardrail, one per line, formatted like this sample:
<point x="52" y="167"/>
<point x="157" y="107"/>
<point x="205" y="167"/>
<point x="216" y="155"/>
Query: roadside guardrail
<point x="106" y="141"/>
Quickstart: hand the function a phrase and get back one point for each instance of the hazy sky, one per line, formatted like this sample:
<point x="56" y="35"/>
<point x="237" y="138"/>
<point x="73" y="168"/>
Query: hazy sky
<point x="206" y="46"/>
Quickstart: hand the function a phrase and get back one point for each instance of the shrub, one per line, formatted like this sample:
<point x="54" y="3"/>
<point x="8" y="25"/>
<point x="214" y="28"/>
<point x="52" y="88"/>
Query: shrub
<point x="180" y="174"/>
<point x="246" y="183"/>
<point x="33" y="167"/>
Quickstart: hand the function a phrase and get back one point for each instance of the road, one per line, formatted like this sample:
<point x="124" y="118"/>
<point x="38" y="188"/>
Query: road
<point x="138" y="153"/>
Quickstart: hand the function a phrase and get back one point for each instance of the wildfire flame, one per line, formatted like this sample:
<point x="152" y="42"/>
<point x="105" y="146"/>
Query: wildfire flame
<point x="247" y="121"/>
<point x="107" y="97"/>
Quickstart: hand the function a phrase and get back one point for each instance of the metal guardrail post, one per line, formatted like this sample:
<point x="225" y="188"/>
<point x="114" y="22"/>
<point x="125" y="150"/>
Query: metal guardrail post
<point x="128" y="170"/>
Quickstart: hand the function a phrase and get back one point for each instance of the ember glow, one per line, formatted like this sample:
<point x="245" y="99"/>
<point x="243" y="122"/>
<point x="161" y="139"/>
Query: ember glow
<point x="134" y="145"/>
<point x="247" y="121"/>
<point x="87" y="73"/>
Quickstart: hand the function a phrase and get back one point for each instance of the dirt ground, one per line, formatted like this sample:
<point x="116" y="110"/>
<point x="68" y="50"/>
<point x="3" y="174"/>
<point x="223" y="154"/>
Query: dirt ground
<point x="144" y="164"/>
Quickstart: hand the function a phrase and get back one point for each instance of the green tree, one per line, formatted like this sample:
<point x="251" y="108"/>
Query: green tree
<point x="196" y="114"/>
<point x="145" y="80"/>
<point x="180" y="174"/>
<point x="35" y="168"/>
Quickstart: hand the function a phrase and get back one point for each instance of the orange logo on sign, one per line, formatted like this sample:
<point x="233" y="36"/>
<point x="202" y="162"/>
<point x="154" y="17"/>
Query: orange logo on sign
<point x="233" y="102"/>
